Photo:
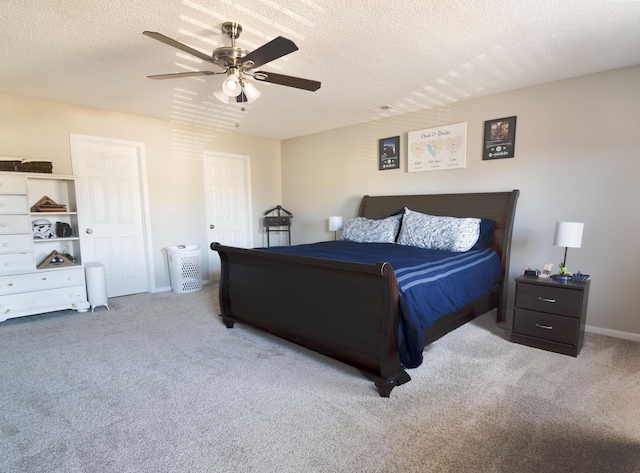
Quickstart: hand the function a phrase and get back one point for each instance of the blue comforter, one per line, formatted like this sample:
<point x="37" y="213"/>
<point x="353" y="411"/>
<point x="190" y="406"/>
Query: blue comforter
<point x="431" y="283"/>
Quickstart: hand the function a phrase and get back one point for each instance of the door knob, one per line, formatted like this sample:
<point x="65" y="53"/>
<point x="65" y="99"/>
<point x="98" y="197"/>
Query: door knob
<point x="89" y="231"/>
<point x="212" y="227"/>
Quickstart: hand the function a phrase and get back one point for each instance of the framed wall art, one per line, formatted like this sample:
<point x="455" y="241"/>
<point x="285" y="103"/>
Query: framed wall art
<point x="440" y="148"/>
<point x="499" y="138"/>
<point x="389" y="153"/>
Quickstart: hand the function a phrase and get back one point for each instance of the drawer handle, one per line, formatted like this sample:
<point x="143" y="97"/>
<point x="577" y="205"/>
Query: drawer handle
<point x="546" y="327"/>
<point x="543" y="299"/>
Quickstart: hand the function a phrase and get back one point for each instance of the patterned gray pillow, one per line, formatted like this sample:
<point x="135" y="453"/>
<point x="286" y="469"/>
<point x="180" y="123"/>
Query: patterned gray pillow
<point x="438" y="233"/>
<point x="364" y="230"/>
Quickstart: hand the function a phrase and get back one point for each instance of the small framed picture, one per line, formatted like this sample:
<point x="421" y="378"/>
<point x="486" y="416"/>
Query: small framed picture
<point x="389" y="153"/>
<point x="499" y="138"/>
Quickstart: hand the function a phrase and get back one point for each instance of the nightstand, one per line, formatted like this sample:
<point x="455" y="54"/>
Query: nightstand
<point x="550" y="314"/>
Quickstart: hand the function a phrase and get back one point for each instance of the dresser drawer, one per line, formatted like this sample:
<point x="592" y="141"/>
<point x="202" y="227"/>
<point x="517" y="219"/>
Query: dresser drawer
<point x="12" y="184"/>
<point x="14" y="263"/>
<point x="15" y="224"/>
<point x="42" y="280"/>
<point x="13" y="204"/>
<point x="546" y="326"/>
<point x="555" y="300"/>
<point x="16" y="305"/>
<point x="15" y="244"/>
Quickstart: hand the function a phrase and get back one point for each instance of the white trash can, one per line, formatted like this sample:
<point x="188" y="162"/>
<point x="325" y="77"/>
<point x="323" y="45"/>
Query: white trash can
<point x="95" y="276"/>
<point x="184" y="268"/>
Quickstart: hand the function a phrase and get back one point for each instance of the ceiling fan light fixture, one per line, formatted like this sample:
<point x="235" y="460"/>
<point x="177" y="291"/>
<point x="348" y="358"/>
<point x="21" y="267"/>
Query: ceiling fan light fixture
<point x="236" y="63"/>
<point x="250" y="92"/>
<point x="231" y="85"/>
<point x="220" y="95"/>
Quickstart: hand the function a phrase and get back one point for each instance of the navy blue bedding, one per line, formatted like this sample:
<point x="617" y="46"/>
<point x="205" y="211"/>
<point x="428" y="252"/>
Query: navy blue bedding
<point x="431" y="283"/>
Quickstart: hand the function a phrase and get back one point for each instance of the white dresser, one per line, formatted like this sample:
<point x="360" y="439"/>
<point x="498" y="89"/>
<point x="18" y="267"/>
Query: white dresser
<point x="24" y="288"/>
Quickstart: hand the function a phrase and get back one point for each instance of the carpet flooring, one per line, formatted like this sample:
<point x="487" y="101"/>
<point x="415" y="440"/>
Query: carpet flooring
<point x="159" y="384"/>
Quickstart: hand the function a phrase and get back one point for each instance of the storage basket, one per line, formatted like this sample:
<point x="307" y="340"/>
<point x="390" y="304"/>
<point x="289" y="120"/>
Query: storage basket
<point x="26" y="166"/>
<point x="9" y="165"/>
<point x="36" y="166"/>
<point x="184" y="268"/>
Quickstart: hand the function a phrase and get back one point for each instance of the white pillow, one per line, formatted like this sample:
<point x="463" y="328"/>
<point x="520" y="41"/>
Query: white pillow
<point x="364" y="230"/>
<point x="438" y="233"/>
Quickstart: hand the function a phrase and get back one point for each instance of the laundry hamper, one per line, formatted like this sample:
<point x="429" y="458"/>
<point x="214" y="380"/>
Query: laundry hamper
<point x="184" y="268"/>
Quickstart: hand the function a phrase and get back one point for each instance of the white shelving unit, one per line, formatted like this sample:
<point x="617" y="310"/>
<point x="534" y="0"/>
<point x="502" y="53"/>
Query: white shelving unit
<point x="26" y="289"/>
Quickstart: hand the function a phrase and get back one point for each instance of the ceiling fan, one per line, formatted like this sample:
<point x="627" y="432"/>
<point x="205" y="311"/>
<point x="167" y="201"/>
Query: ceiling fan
<point x="237" y="64"/>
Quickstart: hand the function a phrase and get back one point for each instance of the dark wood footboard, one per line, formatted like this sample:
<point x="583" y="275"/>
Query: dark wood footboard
<point x="347" y="311"/>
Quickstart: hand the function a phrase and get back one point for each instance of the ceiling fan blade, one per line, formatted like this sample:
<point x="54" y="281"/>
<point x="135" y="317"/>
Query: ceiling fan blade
<point x="271" y="51"/>
<point x="289" y="81"/>
<point x="182" y="47"/>
<point x="183" y="74"/>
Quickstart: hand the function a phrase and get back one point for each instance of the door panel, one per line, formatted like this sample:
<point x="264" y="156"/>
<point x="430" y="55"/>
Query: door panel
<point x="111" y="211"/>
<point x="227" y="195"/>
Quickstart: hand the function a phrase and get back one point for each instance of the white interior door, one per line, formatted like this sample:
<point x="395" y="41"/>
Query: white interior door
<point x="227" y="192"/>
<point x="111" y="211"/>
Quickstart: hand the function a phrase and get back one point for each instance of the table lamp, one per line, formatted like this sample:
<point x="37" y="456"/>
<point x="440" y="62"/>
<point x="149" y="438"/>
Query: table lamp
<point x="335" y="224"/>
<point x="569" y="235"/>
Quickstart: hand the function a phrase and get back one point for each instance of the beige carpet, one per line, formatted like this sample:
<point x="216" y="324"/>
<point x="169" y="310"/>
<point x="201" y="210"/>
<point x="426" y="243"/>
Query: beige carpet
<point x="158" y="384"/>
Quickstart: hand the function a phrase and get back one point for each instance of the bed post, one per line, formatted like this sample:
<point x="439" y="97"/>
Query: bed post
<point x="391" y="372"/>
<point x="510" y="212"/>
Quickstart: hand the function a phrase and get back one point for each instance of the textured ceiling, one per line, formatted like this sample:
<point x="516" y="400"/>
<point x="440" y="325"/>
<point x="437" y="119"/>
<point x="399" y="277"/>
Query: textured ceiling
<point x="369" y="55"/>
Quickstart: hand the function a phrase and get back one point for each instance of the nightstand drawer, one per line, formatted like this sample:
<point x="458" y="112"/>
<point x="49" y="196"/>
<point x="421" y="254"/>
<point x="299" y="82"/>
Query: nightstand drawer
<point x="554" y="300"/>
<point x="546" y="326"/>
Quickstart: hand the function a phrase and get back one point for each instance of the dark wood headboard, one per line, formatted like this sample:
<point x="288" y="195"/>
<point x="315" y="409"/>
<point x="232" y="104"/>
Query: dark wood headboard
<point x="497" y="206"/>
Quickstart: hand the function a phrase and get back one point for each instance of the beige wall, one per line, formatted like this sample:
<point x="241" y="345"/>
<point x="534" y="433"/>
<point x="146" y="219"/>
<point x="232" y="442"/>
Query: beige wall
<point x="40" y="130"/>
<point x="577" y="159"/>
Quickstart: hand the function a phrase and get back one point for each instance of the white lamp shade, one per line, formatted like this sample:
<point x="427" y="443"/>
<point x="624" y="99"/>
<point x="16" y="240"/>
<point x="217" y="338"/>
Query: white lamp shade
<point x="220" y="95"/>
<point x="335" y="223"/>
<point x="231" y="86"/>
<point x="568" y="234"/>
<point x="250" y="91"/>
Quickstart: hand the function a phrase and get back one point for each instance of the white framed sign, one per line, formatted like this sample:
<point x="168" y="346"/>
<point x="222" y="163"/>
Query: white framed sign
<point x="439" y="148"/>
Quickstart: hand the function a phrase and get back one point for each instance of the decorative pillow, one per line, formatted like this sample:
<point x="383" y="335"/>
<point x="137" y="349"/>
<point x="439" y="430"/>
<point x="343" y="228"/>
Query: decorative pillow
<point x="438" y="233"/>
<point x="487" y="227"/>
<point x="364" y="230"/>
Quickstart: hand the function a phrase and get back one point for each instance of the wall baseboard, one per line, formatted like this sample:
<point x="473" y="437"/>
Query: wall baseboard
<point x="635" y="337"/>
<point x="160" y="289"/>
<point x="168" y="288"/>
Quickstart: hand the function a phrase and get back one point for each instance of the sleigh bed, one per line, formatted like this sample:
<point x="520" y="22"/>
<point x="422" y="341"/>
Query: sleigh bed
<point x="351" y="307"/>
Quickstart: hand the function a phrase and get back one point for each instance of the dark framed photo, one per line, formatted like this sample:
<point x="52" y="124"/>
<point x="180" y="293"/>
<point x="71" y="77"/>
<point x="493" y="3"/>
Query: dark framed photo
<point x="389" y="153"/>
<point x="499" y="138"/>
